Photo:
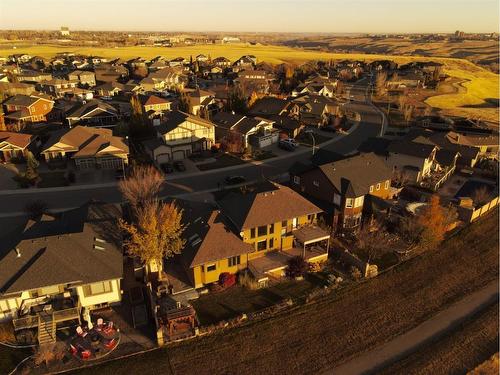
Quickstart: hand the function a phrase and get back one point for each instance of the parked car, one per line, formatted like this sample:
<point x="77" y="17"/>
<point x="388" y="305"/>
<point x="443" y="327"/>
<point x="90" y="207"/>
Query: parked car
<point x="285" y="144"/>
<point x="233" y="180"/>
<point x="179" y="165"/>
<point x="167" y="167"/>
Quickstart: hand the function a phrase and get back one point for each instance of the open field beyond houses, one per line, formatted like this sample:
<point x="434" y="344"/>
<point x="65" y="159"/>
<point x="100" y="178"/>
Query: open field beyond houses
<point x="315" y="337"/>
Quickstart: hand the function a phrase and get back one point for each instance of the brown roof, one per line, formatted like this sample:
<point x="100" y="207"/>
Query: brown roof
<point x="17" y="139"/>
<point x="274" y="204"/>
<point x="472" y="140"/>
<point x="153" y="99"/>
<point x="87" y="141"/>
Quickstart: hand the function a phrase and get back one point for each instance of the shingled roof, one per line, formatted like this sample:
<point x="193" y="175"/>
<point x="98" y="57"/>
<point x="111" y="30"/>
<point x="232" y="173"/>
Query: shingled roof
<point x="250" y="210"/>
<point x="62" y="250"/>
<point x="17" y="139"/>
<point x="354" y="175"/>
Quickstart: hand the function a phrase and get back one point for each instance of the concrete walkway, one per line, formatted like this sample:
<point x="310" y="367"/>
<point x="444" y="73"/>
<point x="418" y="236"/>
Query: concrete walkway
<point x="405" y="344"/>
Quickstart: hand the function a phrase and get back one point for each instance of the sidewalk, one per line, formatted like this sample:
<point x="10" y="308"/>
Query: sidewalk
<point x="403" y="345"/>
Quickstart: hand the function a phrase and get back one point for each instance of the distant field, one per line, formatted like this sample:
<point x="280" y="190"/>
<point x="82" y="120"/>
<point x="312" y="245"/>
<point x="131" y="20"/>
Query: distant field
<point x="483" y="85"/>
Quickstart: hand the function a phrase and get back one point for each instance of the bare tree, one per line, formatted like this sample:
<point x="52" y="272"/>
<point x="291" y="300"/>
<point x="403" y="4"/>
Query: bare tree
<point x="372" y="241"/>
<point x="142" y="186"/>
<point x="480" y="196"/>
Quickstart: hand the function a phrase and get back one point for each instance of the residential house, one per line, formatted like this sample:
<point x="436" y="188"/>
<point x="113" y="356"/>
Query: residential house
<point x="202" y="103"/>
<point x="486" y="144"/>
<point x="155" y="107"/>
<point x="60" y="268"/>
<point x="23" y="109"/>
<point x="164" y="79"/>
<point x="278" y="224"/>
<point x="11" y="89"/>
<point x="269" y="106"/>
<point x="33" y="76"/>
<point x="245" y="62"/>
<point x="237" y="132"/>
<point x="87" y="147"/>
<point x="57" y="87"/>
<point x="222" y="62"/>
<point x="110" y="73"/>
<point x="95" y="112"/>
<point x="85" y="77"/>
<point x="181" y="134"/>
<point x="15" y="146"/>
<point x="109" y="89"/>
<point x="342" y="186"/>
<point x="316" y="110"/>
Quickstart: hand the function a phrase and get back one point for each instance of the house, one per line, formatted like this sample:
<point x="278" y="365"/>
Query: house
<point x="221" y="62"/>
<point x="33" y="76"/>
<point x="343" y="185"/>
<point x="202" y="103"/>
<point x="269" y="106"/>
<point x="258" y="81"/>
<point x="57" y="269"/>
<point x="257" y="132"/>
<point x="278" y="224"/>
<point x="23" y="109"/>
<point x="95" y="112"/>
<point x="87" y="147"/>
<point x="15" y="146"/>
<point x="85" y="77"/>
<point x="155" y="107"/>
<point x="164" y="79"/>
<point x="486" y="144"/>
<point x="202" y="58"/>
<point x="212" y="246"/>
<point x="64" y="31"/>
<point x="110" y="73"/>
<point x="287" y="126"/>
<point x="315" y="110"/>
<point x="57" y="87"/>
<point x="109" y="89"/>
<point x="181" y="134"/>
<point x="245" y="62"/>
<point x="11" y="89"/>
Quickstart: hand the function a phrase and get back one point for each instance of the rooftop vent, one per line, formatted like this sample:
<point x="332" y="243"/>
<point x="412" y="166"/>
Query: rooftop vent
<point x="97" y="247"/>
<point x="100" y="240"/>
<point x="18" y="252"/>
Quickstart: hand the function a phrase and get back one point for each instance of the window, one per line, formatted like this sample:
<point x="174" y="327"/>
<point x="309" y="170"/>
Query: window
<point x="316" y="183"/>
<point x="271" y="229"/>
<point x="97" y="288"/>
<point x="348" y="202"/>
<point x="358" y="202"/>
<point x="233" y="261"/>
<point x="387" y="184"/>
<point x="261" y="245"/>
<point x="371" y="188"/>
<point x="296" y="180"/>
<point x="262" y="230"/>
<point x="378" y="186"/>
<point x="252" y="233"/>
<point x="211" y="268"/>
<point x="271" y="243"/>
<point x="336" y="199"/>
<point x="310" y="218"/>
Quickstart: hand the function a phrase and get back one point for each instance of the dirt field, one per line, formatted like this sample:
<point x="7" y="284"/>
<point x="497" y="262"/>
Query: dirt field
<point x="468" y="346"/>
<point x="314" y="337"/>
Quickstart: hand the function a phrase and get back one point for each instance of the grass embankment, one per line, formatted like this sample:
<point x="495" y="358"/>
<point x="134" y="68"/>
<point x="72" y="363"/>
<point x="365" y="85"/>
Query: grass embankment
<point x="317" y="336"/>
<point x="469" y="345"/>
<point x="10" y="358"/>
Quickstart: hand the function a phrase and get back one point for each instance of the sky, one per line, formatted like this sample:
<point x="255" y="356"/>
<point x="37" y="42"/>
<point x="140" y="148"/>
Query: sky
<point x="335" y="16"/>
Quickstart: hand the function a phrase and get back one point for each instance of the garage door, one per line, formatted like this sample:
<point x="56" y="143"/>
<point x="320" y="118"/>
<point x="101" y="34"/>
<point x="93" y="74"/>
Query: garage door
<point x="163" y="158"/>
<point x="178" y="155"/>
<point x="111" y="163"/>
<point x="86" y="163"/>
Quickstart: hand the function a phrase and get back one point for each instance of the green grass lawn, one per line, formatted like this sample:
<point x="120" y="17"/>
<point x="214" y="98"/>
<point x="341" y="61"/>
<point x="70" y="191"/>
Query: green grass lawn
<point x="215" y="307"/>
<point x="52" y="179"/>
<point x="222" y="161"/>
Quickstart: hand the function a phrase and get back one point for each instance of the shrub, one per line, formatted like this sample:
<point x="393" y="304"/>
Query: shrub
<point x="7" y="332"/>
<point x="316" y="266"/>
<point x="356" y="273"/>
<point x="297" y="266"/>
<point x="227" y="279"/>
<point x="49" y="353"/>
<point x="246" y="280"/>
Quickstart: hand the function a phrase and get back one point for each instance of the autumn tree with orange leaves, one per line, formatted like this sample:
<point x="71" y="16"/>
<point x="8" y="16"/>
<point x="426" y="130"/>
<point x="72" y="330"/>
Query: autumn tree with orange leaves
<point x="434" y="222"/>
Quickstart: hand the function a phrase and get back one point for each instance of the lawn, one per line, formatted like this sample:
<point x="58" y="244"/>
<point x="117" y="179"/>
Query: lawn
<point x="473" y="342"/>
<point x="213" y="308"/>
<point x="312" y="338"/>
<point x="52" y="179"/>
<point x="10" y="358"/>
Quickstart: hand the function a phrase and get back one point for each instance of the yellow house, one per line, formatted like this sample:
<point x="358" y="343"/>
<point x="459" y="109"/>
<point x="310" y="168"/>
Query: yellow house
<point x="63" y="267"/>
<point x="182" y="135"/>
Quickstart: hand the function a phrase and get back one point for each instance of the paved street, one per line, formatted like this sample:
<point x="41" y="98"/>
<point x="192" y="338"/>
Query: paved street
<point x="370" y="126"/>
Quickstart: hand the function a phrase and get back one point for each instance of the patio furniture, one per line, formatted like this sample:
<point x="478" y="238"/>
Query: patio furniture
<point x="108" y="328"/>
<point x="85" y="354"/>
<point x="80" y="331"/>
<point x="110" y="344"/>
<point x="100" y="324"/>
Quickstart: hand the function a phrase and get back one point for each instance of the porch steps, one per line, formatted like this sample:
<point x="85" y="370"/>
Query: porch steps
<point x="46" y="331"/>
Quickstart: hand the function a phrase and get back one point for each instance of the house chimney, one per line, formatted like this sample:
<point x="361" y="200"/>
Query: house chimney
<point x="18" y="253"/>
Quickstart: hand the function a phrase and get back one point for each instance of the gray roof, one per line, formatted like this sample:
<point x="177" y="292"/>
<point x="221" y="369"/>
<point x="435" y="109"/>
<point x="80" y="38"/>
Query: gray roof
<point x="418" y="150"/>
<point x="60" y="250"/>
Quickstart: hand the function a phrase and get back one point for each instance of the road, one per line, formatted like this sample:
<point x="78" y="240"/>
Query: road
<point x="371" y="124"/>
<point x="405" y="344"/>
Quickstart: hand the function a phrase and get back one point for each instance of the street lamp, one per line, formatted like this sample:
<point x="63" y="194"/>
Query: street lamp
<point x="311" y="133"/>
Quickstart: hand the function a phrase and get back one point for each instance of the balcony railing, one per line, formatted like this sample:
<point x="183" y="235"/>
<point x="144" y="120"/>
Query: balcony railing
<point x="32" y="321"/>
